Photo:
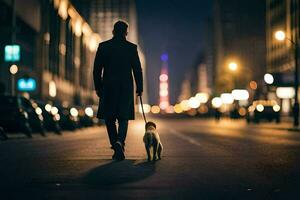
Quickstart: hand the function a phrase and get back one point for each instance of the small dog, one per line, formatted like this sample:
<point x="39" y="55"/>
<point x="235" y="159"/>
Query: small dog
<point x="151" y="139"/>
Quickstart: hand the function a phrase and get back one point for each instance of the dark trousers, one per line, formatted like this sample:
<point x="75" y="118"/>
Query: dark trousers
<point x="116" y="134"/>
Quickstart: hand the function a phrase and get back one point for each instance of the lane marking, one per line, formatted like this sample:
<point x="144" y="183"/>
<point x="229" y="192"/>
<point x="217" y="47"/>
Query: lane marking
<point x="186" y="138"/>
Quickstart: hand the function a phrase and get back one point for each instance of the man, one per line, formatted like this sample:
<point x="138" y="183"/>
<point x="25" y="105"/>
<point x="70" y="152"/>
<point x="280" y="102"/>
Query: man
<point x="115" y="61"/>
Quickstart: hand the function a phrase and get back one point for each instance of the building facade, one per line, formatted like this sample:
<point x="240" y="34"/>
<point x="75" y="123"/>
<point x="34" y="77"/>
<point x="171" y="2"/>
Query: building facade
<point x="57" y="50"/>
<point x="239" y="36"/>
<point x="280" y="16"/>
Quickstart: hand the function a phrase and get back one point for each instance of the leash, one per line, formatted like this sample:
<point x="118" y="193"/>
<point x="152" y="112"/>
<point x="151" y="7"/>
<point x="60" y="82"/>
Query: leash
<point x="144" y="116"/>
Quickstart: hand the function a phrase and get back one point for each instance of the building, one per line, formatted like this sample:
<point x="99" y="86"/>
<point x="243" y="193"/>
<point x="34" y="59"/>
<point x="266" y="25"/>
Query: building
<point x="239" y="36"/>
<point x="282" y="15"/>
<point x="57" y="50"/>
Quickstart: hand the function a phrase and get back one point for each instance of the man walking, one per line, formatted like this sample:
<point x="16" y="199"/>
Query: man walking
<point x="115" y="61"/>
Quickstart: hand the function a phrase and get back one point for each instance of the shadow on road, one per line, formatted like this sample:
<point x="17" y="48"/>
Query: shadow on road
<point x="115" y="173"/>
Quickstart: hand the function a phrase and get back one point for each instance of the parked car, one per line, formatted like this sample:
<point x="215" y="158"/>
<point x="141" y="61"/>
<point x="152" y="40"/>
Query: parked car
<point x="13" y="115"/>
<point x="50" y="115"/>
<point x="3" y="136"/>
<point x="86" y="116"/>
<point x="36" y="119"/>
<point x="68" y="117"/>
<point x="263" y="110"/>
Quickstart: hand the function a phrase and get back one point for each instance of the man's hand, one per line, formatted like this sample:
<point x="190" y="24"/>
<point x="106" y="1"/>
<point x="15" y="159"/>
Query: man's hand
<point x="139" y="93"/>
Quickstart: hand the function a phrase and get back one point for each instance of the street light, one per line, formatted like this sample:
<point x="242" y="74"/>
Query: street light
<point x="281" y="36"/>
<point x="13" y="70"/>
<point x="269" y="79"/>
<point x="233" y="66"/>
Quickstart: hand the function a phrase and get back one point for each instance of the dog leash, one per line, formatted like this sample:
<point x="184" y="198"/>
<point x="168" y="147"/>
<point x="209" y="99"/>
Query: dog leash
<point x="144" y="116"/>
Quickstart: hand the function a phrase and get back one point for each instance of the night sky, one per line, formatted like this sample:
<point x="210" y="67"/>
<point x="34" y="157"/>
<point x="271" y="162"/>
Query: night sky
<point x="175" y="27"/>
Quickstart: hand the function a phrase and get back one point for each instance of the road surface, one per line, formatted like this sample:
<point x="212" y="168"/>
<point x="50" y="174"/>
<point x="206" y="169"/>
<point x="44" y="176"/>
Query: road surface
<point x="202" y="159"/>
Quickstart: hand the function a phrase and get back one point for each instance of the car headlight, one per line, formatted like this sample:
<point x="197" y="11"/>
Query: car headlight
<point x="260" y="108"/>
<point x="74" y="112"/>
<point x="276" y="108"/>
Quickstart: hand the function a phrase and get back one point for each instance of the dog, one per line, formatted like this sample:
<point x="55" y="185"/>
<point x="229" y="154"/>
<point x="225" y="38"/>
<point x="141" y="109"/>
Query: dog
<point x="152" y="140"/>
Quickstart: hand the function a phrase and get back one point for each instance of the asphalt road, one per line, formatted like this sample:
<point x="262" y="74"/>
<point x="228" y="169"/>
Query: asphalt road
<point x="202" y="159"/>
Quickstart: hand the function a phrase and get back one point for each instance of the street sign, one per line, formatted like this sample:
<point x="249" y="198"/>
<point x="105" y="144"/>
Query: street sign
<point x="26" y="84"/>
<point x="12" y="53"/>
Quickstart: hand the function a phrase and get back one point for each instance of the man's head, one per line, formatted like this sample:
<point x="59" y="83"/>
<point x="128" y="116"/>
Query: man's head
<point x="120" y="29"/>
<point x="150" y="125"/>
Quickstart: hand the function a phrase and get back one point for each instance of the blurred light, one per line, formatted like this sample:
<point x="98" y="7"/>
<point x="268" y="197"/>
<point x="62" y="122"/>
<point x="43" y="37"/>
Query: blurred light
<point x="52" y="89"/>
<point x="13" y="69"/>
<point x="38" y="110"/>
<point x="26" y="84"/>
<point x="163" y="93"/>
<point x="54" y="110"/>
<point x="164" y="57"/>
<point x="170" y="109"/>
<point x="194" y="102"/>
<point x="74" y="112"/>
<point x="163" y="105"/>
<point x="240" y="95"/>
<point x="93" y="42"/>
<point x="269" y="79"/>
<point x="280" y="35"/>
<point x="276" y="108"/>
<point x="253" y="85"/>
<point x="285" y="92"/>
<point x="164" y="86"/>
<point x="216" y="102"/>
<point x="202" y="97"/>
<point x="163" y="77"/>
<point x="178" y="109"/>
<point x="203" y="109"/>
<point x="48" y="107"/>
<point x="185" y="105"/>
<point x="57" y="117"/>
<point x="62" y="49"/>
<point x="233" y="66"/>
<point x="78" y="30"/>
<point x="12" y="53"/>
<point x="155" y="109"/>
<point x="251" y="108"/>
<point x="227" y="98"/>
<point x="89" y="111"/>
<point x="63" y="9"/>
<point x="192" y="112"/>
<point x="47" y="37"/>
<point x="147" y="108"/>
<point x="260" y="108"/>
<point x="242" y="112"/>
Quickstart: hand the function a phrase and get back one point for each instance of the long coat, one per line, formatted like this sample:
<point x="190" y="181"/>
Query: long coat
<point x="115" y="61"/>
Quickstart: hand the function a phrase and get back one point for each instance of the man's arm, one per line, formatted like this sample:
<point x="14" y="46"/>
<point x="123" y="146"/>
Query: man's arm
<point x="137" y="72"/>
<point x="97" y="72"/>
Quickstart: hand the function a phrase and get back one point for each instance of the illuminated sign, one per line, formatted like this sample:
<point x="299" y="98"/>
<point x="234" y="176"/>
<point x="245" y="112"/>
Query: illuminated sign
<point x="26" y="84"/>
<point x="12" y="53"/>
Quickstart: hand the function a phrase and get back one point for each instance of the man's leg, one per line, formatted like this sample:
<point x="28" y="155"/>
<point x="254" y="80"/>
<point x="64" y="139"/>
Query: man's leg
<point x="122" y="131"/>
<point x="112" y="131"/>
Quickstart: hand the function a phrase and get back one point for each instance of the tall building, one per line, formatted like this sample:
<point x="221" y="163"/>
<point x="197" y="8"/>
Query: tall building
<point x="280" y="16"/>
<point x="239" y="36"/>
<point x="164" y="101"/>
<point x="57" y="50"/>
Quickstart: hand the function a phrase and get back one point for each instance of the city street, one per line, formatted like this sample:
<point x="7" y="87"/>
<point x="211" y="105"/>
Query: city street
<point x="202" y="159"/>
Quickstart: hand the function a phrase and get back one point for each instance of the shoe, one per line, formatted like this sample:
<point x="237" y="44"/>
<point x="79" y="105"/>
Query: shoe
<point x="119" y="151"/>
<point x="114" y="156"/>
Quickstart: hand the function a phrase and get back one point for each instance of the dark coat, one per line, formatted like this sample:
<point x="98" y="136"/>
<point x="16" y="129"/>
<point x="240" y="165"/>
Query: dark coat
<point x="115" y="61"/>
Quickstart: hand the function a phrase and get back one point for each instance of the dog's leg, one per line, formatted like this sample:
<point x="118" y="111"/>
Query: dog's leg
<point x="159" y="150"/>
<point x="148" y="152"/>
<point x="155" y="148"/>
